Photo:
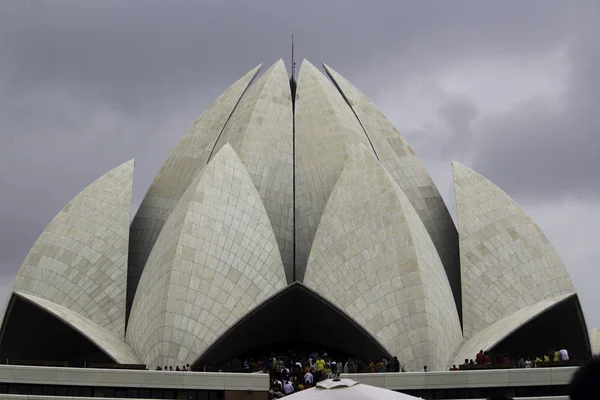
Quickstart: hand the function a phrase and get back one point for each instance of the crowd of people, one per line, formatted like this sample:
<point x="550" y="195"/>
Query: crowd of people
<point x="483" y="357"/>
<point x="170" y="368"/>
<point x="289" y="376"/>
<point x="291" y="372"/>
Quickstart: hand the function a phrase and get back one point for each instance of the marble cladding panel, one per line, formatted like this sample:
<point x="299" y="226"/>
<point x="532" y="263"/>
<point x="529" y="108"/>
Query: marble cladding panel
<point x="595" y="340"/>
<point x="399" y="159"/>
<point x="325" y="130"/>
<point x="507" y="262"/>
<point x="187" y="159"/>
<point x="216" y="260"/>
<point x="370" y="260"/>
<point x="260" y="131"/>
<point x="80" y="259"/>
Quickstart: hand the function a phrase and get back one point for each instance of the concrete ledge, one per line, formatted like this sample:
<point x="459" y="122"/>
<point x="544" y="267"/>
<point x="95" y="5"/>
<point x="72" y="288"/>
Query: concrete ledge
<point x="260" y="382"/>
<point x="133" y="378"/>
<point x="467" y="379"/>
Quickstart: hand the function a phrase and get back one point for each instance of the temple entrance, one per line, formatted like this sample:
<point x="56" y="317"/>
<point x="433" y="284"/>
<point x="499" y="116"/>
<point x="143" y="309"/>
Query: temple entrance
<point x="296" y="321"/>
<point x="30" y="335"/>
<point x="559" y="327"/>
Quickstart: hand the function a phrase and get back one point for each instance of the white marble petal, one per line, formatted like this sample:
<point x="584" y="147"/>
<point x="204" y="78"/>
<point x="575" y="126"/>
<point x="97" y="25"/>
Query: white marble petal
<point x="399" y="159"/>
<point x="507" y="262"/>
<point x="372" y="257"/>
<point x="260" y="132"/>
<point x="326" y="130"/>
<point x="185" y="161"/>
<point x="214" y="261"/>
<point x="80" y="260"/>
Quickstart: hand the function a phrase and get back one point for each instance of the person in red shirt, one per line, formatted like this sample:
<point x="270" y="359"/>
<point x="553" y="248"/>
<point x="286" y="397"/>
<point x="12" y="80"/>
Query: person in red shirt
<point x="479" y="358"/>
<point x="486" y="358"/>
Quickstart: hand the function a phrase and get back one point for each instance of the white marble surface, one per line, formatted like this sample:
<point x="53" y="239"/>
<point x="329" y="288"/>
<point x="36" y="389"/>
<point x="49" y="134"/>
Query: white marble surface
<point x="260" y="132"/>
<point x="80" y="260"/>
<point x="507" y="262"/>
<point x="595" y="340"/>
<point x="326" y="130"/>
<point x="398" y="157"/>
<point x="215" y="260"/>
<point x="216" y="233"/>
<point x="187" y="159"/>
<point x="373" y="258"/>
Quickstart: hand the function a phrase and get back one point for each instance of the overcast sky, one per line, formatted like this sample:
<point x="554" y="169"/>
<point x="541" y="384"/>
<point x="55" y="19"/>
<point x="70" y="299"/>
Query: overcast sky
<point x="508" y="88"/>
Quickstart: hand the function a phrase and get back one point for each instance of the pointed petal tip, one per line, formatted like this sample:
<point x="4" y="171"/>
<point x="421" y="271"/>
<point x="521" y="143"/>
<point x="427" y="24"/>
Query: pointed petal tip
<point x="227" y="147"/>
<point x="279" y="64"/>
<point x="226" y="151"/>
<point x="456" y="165"/>
<point x="128" y="167"/>
<point x="254" y="71"/>
<point x="127" y="164"/>
<point x="306" y="62"/>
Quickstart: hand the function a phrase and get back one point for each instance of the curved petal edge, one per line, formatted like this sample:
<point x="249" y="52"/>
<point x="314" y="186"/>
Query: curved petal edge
<point x="373" y="258"/>
<point x="80" y="260"/>
<point x="325" y="130"/>
<point x="266" y="149"/>
<point x="496" y="332"/>
<point x="507" y="262"/>
<point x="106" y="341"/>
<point x="408" y="171"/>
<point x="594" y="335"/>
<point x="215" y="260"/>
<point x="187" y="159"/>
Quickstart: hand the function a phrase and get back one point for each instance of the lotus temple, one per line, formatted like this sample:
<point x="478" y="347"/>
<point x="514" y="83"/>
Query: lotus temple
<point x="292" y="212"/>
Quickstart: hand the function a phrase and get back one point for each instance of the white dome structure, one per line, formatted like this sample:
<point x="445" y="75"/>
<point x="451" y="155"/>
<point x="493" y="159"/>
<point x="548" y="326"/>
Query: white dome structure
<point x="291" y="207"/>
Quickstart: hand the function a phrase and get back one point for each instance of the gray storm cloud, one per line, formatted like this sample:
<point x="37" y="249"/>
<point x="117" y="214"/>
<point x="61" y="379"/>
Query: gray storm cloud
<point x="85" y="86"/>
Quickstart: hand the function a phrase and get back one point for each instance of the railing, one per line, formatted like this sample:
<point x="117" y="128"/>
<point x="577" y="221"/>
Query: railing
<point x="116" y="366"/>
<point x="548" y="364"/>
<point x="41" y="363"/>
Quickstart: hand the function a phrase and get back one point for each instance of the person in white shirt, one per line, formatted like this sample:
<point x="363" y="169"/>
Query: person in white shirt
<point x="563" y="354"/>
<point x="309" y="379"/>
<point x="288" y="388"/>
<point x="333" y="372"/>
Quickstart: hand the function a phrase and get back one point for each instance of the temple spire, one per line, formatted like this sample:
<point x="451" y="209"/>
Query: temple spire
<point x="293" y="62"/>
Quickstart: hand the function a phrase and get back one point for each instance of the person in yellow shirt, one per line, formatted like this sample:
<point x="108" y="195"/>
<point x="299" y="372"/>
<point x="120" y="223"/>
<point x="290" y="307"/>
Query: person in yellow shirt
<point x="320" y="364"/>
<point x="556" y="356"/>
